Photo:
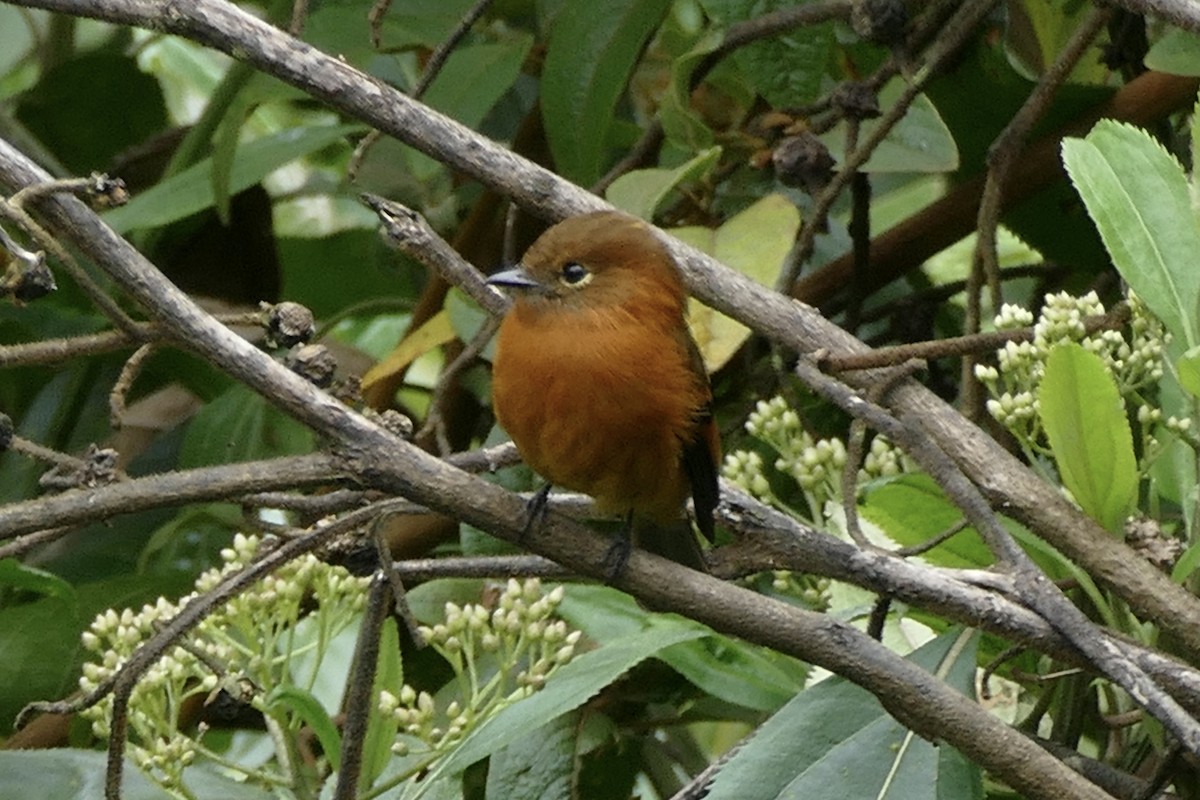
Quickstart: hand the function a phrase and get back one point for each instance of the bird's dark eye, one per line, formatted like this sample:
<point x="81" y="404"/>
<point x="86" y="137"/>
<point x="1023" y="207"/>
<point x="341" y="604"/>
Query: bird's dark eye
<point x="575" y="274"/>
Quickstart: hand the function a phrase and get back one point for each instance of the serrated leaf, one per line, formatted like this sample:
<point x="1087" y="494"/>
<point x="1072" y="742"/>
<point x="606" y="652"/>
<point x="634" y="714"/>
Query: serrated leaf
<point x="755" y="243"/>
<point x="835" y="740"/>
<point x="732" y="670"/>
<point x="787" y="70"/>
<point x="192" y="190"/>
<point x="589" y="59"/>
<point x="536" y="766"/>
<point x="1084" y="419"/>
<point x="642" y="191"/>
<point x="1137" y="195"/>
<point x="914" y="509"/>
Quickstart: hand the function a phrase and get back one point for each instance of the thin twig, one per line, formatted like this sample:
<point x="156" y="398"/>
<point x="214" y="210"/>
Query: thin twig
<point x="1115" y="319"/>
<point x="54" y="351"/>
<point x="438" y="59"/>
<point x="1003" y="153"/>
<point x="433" y="420"/>
<point x="359" y="697"/>
<point x="81" y="277"/>
<point x="432" y="68"/>
<point x="952" y="37"/>
<point x="409" y="232"/>
<point x="933" y="541"/>
<point x="23" y="544"/>
<point x="395" y="585"/>
<point x="129" y="372"/>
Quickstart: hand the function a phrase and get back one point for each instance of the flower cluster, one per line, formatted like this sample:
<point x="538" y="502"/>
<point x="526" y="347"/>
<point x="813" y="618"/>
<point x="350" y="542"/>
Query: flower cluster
<point x="1135" y="360"/>
<point x="498" y="655"/>
<point x="250" y="639"/>
<point x="815" y="465"/>
<point x="813" y="591"/>
<point x="885" y="460"/>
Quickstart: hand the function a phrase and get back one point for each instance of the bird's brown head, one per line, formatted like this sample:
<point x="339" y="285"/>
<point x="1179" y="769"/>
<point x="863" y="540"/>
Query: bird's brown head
<point x="594" y="261"/>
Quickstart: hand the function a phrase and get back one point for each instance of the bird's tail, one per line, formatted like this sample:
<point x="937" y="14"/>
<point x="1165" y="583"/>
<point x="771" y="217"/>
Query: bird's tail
<point x="676" y="541"/>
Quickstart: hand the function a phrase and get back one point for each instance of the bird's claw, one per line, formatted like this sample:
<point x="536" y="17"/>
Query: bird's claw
<point x="616" y="558"/>
<point x="535" y="512"/>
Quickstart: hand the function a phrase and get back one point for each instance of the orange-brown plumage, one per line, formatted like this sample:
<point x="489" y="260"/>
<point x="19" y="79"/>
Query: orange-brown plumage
<point x="598" y="382"/>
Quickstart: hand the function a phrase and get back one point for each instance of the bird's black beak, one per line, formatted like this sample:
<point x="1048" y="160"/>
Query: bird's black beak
<point x="516" y="278"/>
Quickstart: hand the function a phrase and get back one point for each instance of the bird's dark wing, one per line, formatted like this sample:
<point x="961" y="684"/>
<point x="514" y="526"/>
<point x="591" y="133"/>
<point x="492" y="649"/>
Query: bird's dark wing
<point x="700" y="466"/>
<point x="702" y="452"/>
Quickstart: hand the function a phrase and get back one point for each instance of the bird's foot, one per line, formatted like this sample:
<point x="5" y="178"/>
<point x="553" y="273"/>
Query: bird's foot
<point x="535" y="512"/>
<point x="616" y="558"/>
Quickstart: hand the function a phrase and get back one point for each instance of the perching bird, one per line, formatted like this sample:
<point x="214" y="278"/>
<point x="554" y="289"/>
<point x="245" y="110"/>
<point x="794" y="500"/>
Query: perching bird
<point x="600" y="385"/>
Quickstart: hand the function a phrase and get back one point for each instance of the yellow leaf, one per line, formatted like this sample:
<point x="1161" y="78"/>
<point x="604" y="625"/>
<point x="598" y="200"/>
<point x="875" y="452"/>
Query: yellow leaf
<point x="434" y="333"/>
<point x="755" y="243"/>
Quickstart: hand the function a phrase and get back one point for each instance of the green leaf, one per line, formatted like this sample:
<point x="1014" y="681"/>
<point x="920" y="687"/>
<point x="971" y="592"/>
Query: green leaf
<point x="787" y="70"/>
<point x="192" y="190"/>
<point x="306" y="265"/>
<point x="470" y="83"/>
<point x="642" y="191"/>
<point x="538" y="765"/>
<point x="241" y="426"/>
<point x="225" y="143"/>
<point x="15" y="575"/>
<point x="736" y="672"/>
<point x="589" y="59"/>
<point x="40" y="650"/>
<point x="41" y="653"/>
<point x="1085" y="422"/>
<point x="16" y="37"/>
<point x="475" y="77"/>
<point x="570" y="687"/>
<point x="66" y="773"/>
<point x="1188" y="370"/>
<point x="465" y="315"/>
<point x="919" y="142"/>
<point x="1136" y="193"/>
<point x="835" y="740"/>
<point x="681" y="124"/>
<point x="1038" y="31"/>
<point x="382" y="728"/>
<point x="740" y="673"/>
<point x="88" y="109"/>
<point x="294" y="702"/>
<point x="1187" y="563"/>
<point x="1177" y="52"/>
<point x="913" y="509"/>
